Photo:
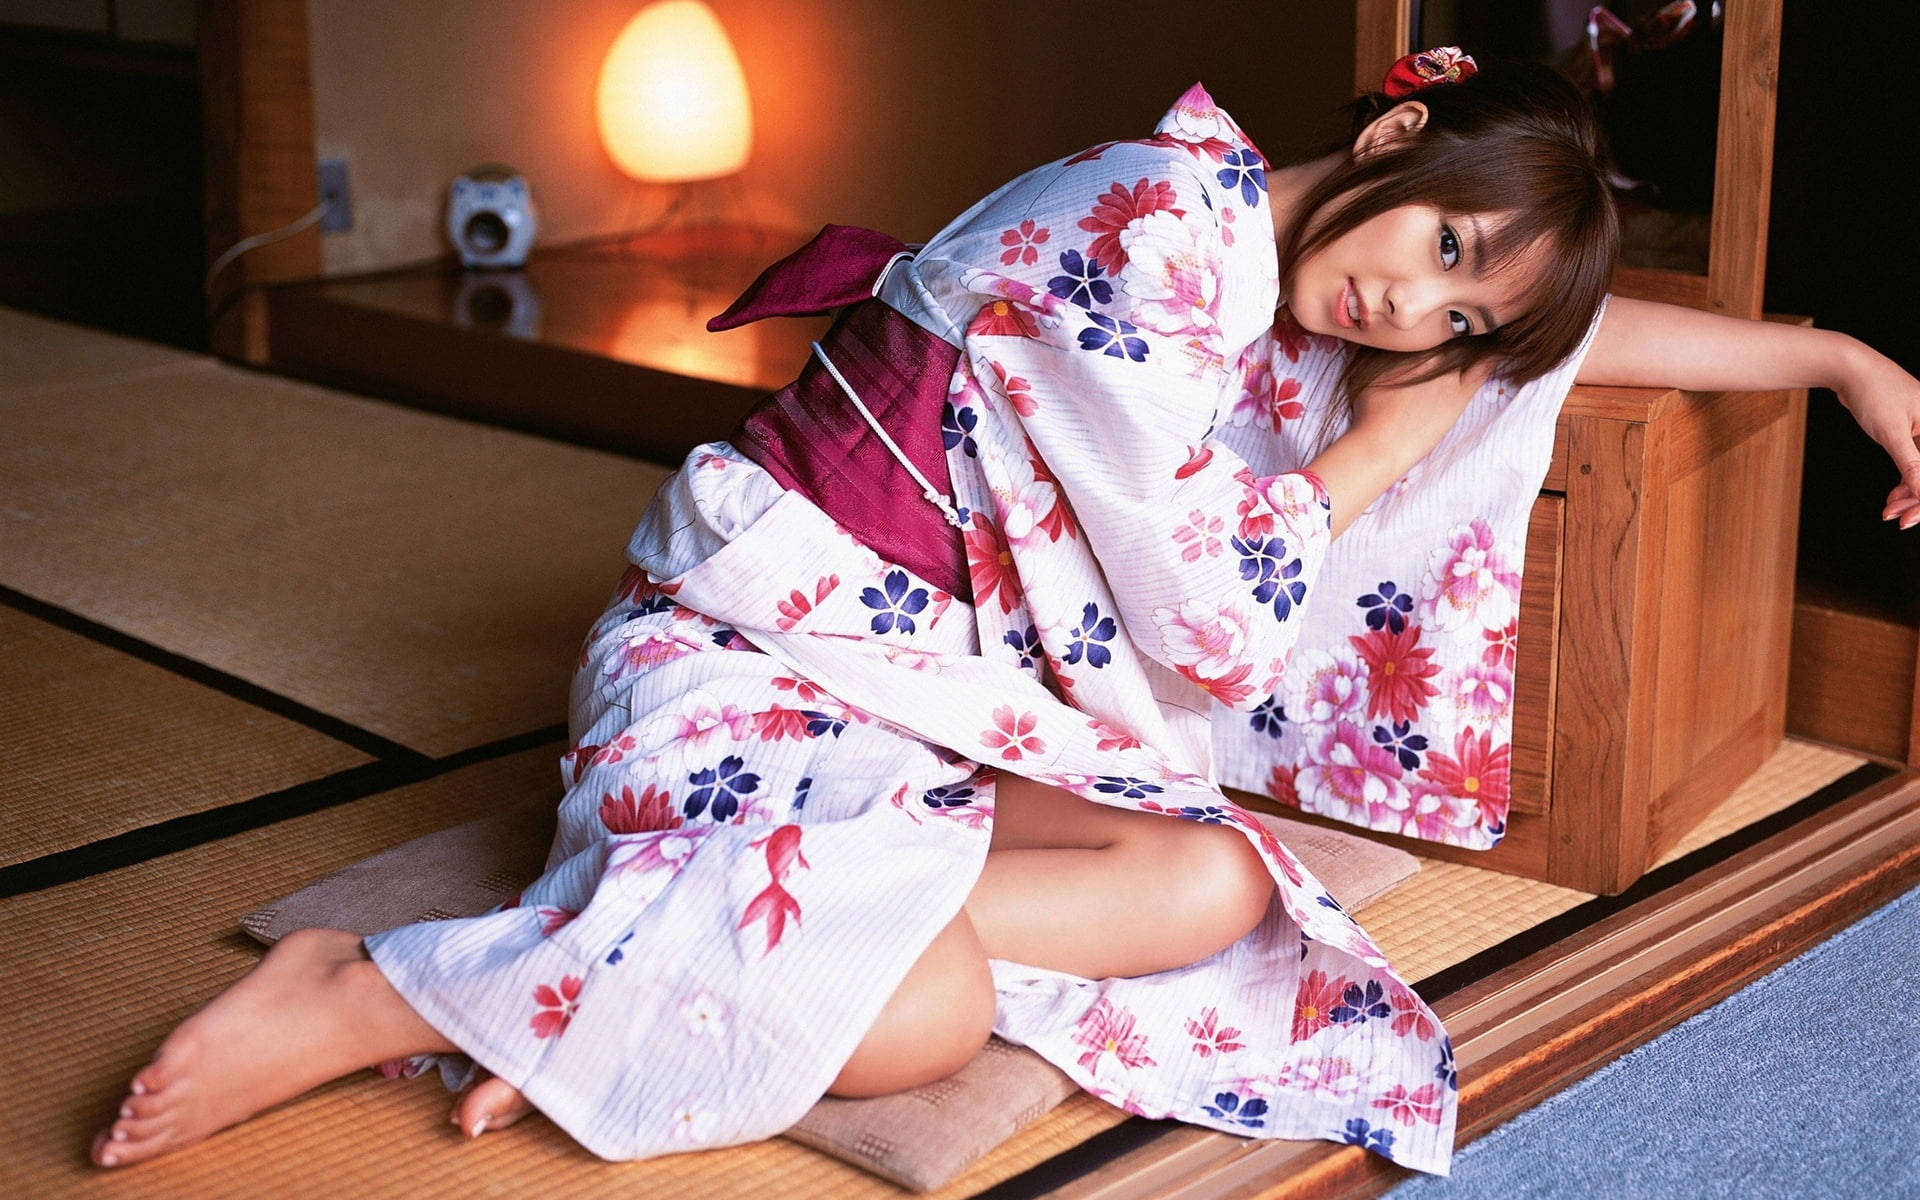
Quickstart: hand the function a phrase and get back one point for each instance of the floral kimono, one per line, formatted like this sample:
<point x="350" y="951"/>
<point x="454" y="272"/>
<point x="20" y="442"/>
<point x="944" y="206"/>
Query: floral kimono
<point x="786" y="747"/>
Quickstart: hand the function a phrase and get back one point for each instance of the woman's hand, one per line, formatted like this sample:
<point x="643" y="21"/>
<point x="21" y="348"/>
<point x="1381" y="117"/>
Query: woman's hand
<point x="1405" y="422"/>
<point x="1393" y="428"/>
<point x="1885" y="400"/>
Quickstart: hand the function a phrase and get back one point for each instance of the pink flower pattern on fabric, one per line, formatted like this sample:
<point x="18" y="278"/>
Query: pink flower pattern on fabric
<point x="1475" y="581"/>
<point x="557" y="1006"/>
<point x="1012" y="735"/>
<point x="1109" y="1030"/>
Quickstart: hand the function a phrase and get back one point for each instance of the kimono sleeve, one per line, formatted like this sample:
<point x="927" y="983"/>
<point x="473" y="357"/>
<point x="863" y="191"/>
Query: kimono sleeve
<point x="1208" y="564"/>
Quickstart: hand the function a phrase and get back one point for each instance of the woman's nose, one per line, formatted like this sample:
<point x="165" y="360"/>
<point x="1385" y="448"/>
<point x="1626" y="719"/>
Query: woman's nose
<point x="1408" y="302"/>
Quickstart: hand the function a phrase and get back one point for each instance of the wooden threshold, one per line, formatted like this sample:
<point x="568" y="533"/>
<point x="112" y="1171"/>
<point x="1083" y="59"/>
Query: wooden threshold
<point x="1533" y="1028"/>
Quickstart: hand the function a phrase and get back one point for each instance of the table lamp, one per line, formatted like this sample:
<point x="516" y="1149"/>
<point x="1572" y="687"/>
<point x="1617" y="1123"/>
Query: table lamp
<point x="672" y="99"/>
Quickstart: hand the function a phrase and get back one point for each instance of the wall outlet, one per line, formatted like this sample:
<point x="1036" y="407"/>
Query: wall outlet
<point x="335" y="195"/>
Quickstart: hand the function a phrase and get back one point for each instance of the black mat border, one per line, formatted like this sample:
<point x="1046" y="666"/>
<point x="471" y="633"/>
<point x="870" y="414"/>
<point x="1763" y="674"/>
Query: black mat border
<point x="182" y="833"/>
<point x="395" y="765"/>
<point x="1111" y="1144"/>
<point x="211" y="677"/>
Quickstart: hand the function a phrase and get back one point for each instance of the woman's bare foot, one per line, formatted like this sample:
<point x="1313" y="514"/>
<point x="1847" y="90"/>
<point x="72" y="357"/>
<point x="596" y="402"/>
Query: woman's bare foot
<point x="493" y="1103"/>
<point x="316" y="1008"/>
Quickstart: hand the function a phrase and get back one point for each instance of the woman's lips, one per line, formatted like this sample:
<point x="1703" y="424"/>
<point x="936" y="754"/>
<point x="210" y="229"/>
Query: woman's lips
<point x="1350" y="312"/>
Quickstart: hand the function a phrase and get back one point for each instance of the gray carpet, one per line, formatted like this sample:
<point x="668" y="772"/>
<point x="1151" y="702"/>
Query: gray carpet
<point x="1804" y="1084"/>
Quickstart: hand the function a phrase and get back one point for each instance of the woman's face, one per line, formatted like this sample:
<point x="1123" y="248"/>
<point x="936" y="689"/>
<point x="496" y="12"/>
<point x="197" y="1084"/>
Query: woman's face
<point x="1409" y="280"/>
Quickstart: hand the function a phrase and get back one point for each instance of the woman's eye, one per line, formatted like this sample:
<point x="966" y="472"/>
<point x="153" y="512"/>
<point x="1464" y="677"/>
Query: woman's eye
<point x="1459" y="323"/>
<point x="1449" y="247"/>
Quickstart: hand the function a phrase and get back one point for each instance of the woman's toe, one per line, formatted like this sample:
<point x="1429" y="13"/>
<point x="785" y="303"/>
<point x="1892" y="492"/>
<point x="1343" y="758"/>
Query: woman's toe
<point x="137" y="1129"/>
<point x="493" y="1103"/>
<point x="141" y="1107"/>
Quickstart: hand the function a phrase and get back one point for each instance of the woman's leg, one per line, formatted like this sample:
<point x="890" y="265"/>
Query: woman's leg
<point x="934" y="1023"/>
<point x="1072" y="886"/>
<point x="1102" y="892"/>
<point x="316" y="1008"/>
<point x="1069" y="885"/>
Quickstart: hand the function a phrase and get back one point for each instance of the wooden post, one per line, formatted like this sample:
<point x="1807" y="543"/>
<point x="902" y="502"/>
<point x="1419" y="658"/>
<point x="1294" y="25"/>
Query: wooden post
<point x="257" y="99"/>
<point x="1382" y="32"/>
<point x="1743" y="158"/>
<point x="1913" y="736"/>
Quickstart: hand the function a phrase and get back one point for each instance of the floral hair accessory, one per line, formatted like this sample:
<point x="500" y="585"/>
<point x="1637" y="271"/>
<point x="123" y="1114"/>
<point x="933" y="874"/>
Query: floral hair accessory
<point x="1424" y="68"/>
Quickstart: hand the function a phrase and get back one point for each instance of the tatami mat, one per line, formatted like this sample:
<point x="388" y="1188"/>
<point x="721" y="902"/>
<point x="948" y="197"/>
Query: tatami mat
<point x="36" y="352"/>
<point x="1796" y="770"/>
<point x="1451" y="911"/>
<point x="100" y="969"/>
<point x="420" y="577"/>
<point x="98" y="742"/>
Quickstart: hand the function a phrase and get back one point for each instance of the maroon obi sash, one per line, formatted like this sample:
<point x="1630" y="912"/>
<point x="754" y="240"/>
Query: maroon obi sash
<point x="812" y="439"/>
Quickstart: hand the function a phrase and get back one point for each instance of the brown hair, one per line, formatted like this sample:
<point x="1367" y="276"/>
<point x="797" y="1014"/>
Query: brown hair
<point x="1515" y="139"/>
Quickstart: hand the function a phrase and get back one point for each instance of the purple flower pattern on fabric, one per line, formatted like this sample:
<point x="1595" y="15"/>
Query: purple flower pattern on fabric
<point x="1026" y="643"/>
<point x="897" y="604"/>
<point x="1360" y="1132"/>
<point x="1082" y="284"/>
<point x="949" y="795"/>
<point x="1128" y="786"/>
<point x="1114" y="338"/>
<point x="1088" y="637"/>
<point x="1275" y="577"/>
<point x="1387" y="608"/>
<point x="1360" y="1002"/>
<point x="821" y="724"/>
<point x="718" y="789"/>
<point x="1404" y="744"/>
<point x="1270" y="717"/>
<point x="957" y="423"/>
<point x="1243" y="170"/>
<point x="1229" y="1106"/>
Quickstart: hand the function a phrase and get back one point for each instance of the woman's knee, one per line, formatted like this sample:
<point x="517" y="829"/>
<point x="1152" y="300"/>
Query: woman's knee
<point x="934" y="1023"/>
<point x="1219" y="883"/>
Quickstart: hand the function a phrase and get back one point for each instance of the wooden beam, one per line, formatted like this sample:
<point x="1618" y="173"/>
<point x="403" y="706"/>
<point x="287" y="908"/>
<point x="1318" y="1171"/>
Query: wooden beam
<point x="1743" y="157"/>
<point x="257" y="103"/>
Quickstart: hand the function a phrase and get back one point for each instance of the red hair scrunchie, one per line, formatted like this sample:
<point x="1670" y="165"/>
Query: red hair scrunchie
<point x="1425" y="68"/>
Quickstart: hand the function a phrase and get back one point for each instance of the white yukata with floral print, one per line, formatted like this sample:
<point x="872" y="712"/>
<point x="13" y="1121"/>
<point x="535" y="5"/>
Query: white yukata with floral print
<point x="785" y="747"/>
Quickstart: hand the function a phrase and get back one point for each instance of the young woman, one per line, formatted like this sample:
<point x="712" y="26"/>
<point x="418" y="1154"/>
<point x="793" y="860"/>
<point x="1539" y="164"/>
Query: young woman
<point x="888" y="742"/>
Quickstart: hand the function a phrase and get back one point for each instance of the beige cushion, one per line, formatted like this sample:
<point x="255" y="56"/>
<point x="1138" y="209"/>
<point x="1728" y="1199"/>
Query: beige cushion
<point x="918" y="1139"/>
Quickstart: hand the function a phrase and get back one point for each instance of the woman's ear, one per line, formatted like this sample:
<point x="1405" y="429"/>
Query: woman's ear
<point x="1401" y="121"/>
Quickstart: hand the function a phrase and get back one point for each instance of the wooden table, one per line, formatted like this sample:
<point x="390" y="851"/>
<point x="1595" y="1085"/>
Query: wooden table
<point x="604" y="345"/>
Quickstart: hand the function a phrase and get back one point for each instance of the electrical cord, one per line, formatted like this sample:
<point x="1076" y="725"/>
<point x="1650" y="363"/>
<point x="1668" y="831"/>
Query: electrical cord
<point x="244" y="245"/>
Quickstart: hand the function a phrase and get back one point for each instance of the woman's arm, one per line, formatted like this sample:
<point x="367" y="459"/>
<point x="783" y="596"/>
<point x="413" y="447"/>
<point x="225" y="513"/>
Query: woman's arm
<point x="1393" y="428"/>
<point x="1644" y="344"/>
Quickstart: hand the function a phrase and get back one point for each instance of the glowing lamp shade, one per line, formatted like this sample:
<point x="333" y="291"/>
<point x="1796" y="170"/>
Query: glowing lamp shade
<point x="672" y="99"/>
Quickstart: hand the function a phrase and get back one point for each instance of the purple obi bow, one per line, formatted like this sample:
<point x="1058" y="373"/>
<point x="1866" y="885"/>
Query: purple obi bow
<point x="809" y="436"/>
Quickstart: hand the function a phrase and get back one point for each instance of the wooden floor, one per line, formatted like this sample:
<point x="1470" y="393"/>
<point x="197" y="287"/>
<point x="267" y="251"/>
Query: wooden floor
<point x="255" y="631"/>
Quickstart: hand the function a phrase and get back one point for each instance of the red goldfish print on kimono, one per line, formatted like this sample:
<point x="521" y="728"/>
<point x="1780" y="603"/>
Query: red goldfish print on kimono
<point x="774" y="905"/>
